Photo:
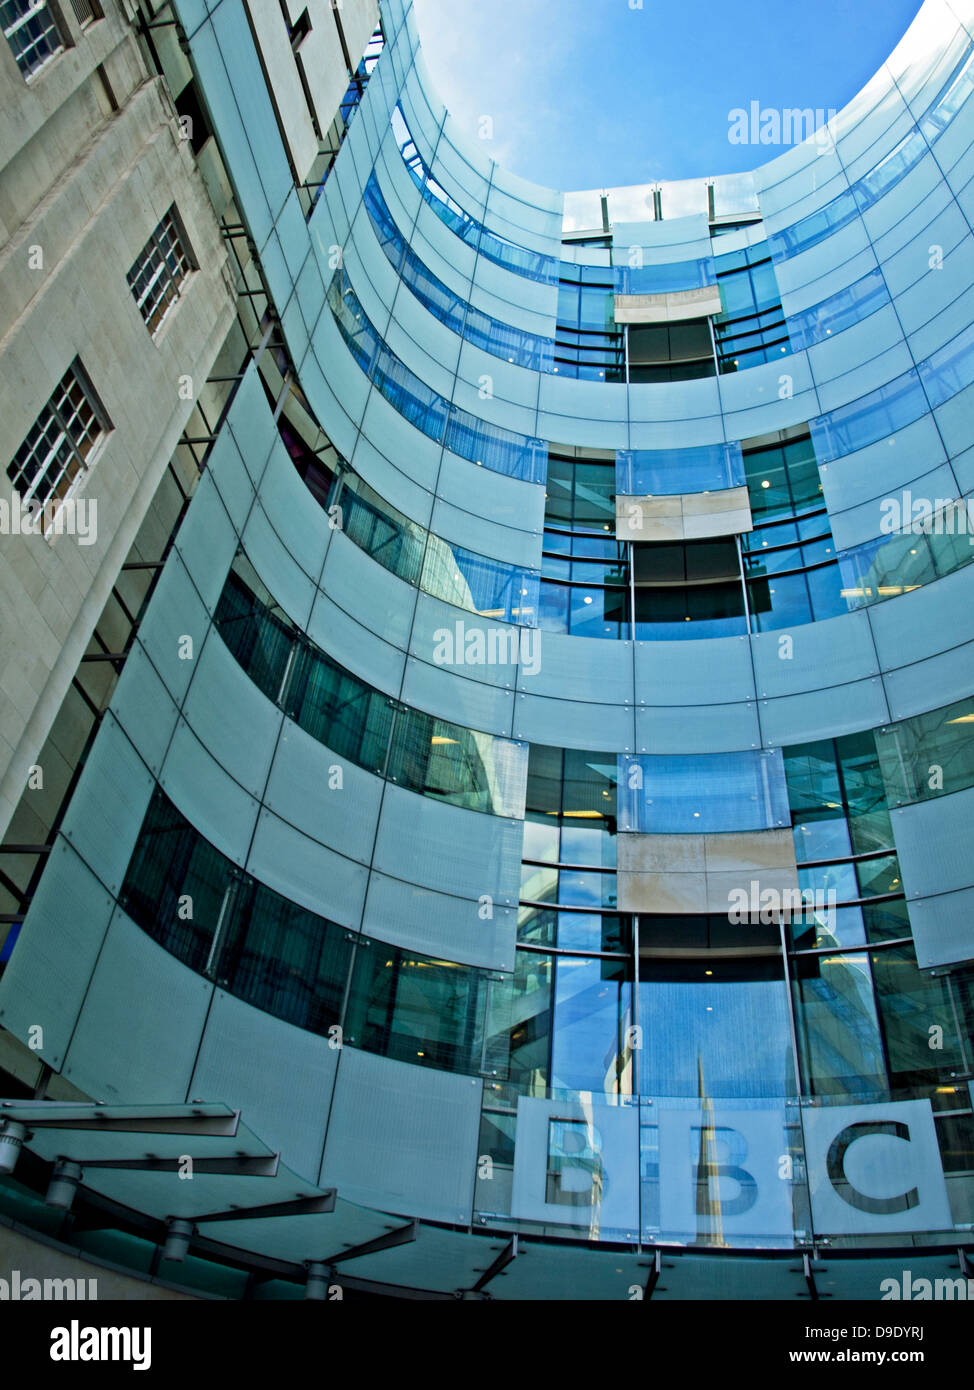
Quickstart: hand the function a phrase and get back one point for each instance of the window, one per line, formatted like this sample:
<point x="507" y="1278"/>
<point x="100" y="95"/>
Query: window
<point x="32" y="33"/>
<point x="300" y="29"/>
<point x="86" y="11"/>
<point x="59" y="447"/>
<point x="161" y="267"/>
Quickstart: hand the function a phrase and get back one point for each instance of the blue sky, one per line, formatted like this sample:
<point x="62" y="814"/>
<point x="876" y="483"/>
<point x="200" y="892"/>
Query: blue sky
<point x="593" y="93"/>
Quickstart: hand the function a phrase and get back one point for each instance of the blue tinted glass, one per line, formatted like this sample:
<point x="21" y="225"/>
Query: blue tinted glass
<point x="499" y="339"/>
<point x="949" y="369"/>
<point x="660" y="279"/>
<point x="668" y="794"/>
<point x="851" y="305"/>
<point x="815" y="227"/>
<point x="779" y="601"/>
<point x="592" y="1009"/>
<point x="502" y="450"/>
<point x="726" y="1029"/>
<point x="480" y="584"/>
<point x="890" y="170"/>
<point x="534" y="265"/>
<point x="873" y="417"/>
<point x="667" y="472"/>
<point x="496" y="448"/>
<point x="950" y="98"/>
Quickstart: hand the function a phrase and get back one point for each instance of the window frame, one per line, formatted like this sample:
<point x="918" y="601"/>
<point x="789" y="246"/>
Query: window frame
<point x="38" y="10"/>
<point x="53" y="412"/>
<point x="154" y="257"/>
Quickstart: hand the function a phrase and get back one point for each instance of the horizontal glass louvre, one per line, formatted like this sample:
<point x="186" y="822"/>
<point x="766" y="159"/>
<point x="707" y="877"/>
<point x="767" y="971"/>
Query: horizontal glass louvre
<point x="667" y="472"/>
<point x="490" y="446"/>
<point x="354" y="720"/>
<point x="663" y="794"/>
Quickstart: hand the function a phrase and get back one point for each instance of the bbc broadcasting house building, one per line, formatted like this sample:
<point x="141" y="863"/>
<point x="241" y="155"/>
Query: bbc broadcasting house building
<point x="522" y="844"/>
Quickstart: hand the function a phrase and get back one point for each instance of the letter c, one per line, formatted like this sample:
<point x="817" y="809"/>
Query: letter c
<point x="835" y="1164"/>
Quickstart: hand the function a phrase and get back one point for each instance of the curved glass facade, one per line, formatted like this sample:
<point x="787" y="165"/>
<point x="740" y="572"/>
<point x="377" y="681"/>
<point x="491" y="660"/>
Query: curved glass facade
<point x="555" y="721"/>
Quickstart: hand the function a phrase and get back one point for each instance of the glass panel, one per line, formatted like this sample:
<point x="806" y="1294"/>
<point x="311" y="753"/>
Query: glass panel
<point x="416" y="1009"/>
<point x="456" y="765"/>
<point x="696" y="793"/>
<point x="661" y="472"/>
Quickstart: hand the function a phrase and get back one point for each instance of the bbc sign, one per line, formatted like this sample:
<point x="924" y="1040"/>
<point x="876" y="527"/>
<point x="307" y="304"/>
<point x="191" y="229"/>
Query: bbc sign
<point x="680" y="1170"/>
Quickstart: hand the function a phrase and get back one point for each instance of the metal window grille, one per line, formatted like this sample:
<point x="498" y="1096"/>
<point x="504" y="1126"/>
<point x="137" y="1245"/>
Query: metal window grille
<point x="85" y="11"/>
